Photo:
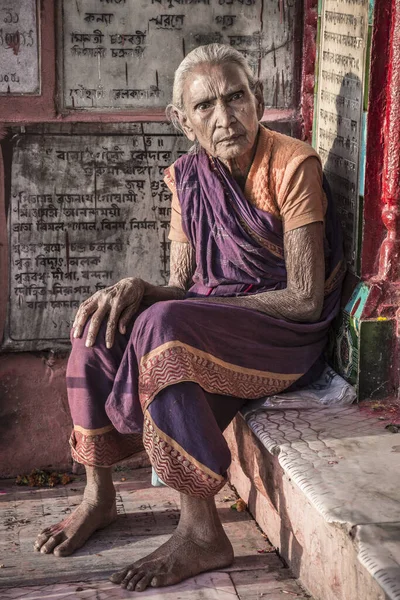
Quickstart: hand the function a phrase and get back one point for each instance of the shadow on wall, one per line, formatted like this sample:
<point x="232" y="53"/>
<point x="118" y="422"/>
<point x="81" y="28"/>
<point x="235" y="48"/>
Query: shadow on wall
<point x="341" y="166"/>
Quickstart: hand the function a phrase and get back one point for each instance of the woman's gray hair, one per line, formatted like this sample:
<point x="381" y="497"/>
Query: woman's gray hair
<point x="215" y="54"/>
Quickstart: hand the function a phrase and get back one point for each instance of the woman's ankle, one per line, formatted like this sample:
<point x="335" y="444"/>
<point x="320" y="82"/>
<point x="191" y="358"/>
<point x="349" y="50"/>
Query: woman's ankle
<point x="99" y="486"/>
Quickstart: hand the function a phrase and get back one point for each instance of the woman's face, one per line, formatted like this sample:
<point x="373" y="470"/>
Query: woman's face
<point x="221" y="112"/>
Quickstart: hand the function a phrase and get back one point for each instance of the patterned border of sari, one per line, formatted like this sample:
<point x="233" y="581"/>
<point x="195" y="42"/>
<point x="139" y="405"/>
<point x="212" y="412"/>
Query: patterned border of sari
<point x="175" y="361"/>
<point x="175" y="467"/>
<point x="103" y="447"/>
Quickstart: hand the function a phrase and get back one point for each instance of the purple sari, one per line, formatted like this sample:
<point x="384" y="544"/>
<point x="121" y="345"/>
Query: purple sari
<point x="183" y="357"/>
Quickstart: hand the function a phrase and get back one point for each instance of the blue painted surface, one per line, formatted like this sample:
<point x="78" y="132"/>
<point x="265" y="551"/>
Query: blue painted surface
<point x="360" y="294"/>
<point x="371" y="12"/>
<point x="320" y="7"/>
<point x="155" y="480"/>
<point x="363" y="153"/>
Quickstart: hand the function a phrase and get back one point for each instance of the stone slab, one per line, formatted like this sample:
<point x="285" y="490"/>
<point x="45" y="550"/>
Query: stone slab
<point x="19" y="47"/>
<point x="264" y="585"/>
<point x="343" y="460"/>
<point x="247" y="585"/>
<point x="379" y="551"/>
<point x="85" y="211"/>
<point x="122" y="54"/>
<point x="217" y="586"/>
<point x="339" y="108"/>
<point x="322" y="554"/>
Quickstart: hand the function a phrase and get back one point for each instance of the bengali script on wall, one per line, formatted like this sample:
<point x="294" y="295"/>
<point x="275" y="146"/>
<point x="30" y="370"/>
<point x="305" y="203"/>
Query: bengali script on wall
<point x="85" y="211"/>
<point x="344" y="30"/>
<point x="19" y="57"/>
<point x="118" y="54"/>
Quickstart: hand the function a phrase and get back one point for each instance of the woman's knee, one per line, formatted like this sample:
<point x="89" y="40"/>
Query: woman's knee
<point x="80" y="342"/>
<point x="159" y="316"/>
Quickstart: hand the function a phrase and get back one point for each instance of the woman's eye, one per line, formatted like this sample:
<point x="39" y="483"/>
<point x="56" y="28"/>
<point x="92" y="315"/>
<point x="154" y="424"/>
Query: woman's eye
<point x="203" y="106"/>
<point x="237" y="96"/>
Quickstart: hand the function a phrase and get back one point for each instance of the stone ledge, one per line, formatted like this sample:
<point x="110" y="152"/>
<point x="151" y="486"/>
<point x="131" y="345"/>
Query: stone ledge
<point x="379" y="551"/>
<point x="314" y="480"/>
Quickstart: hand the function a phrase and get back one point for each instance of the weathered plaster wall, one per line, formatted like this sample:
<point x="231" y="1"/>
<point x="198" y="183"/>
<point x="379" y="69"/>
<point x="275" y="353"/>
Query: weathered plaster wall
<point x="34" y="419"/>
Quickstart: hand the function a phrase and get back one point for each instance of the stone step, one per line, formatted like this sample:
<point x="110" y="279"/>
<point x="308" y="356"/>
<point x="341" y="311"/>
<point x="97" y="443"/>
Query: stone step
<point x="323" y="484"/>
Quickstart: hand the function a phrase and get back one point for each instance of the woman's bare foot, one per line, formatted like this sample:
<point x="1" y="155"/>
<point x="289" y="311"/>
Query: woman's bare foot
<point x="67" y="536"/>
<point x="199" y="544"/>
<point x="174" y="561"/>
<point x="97" y="510"/>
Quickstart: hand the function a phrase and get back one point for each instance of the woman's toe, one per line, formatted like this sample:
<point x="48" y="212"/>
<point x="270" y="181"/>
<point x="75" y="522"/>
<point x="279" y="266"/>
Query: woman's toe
<point x="134" y="580"/>
<point x="42" y="538"/>
<point x="143" y="583"/>
<point x="51" y="543"/>
<point x="131" y="572"/>
<point x="67" y="548"/>
<point x="164" y="579"/>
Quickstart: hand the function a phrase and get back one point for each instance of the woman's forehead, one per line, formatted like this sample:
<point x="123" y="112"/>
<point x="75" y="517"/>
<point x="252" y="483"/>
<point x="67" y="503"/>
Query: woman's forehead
<point x="213" y="79"/>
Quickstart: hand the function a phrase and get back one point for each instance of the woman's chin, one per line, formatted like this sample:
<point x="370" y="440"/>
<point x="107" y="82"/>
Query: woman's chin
<point x="232" y="150"/>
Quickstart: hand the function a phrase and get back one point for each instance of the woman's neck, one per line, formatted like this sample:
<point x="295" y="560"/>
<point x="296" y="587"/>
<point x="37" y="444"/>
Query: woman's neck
<point x="239" y="167"/>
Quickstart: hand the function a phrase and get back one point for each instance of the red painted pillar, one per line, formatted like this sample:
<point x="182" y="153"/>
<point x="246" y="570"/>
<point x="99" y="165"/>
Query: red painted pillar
<point x="373" y="227"/>
<point x="389" y="267"/>
<point x="380" y="268"/>
<point x="309" y="50"/>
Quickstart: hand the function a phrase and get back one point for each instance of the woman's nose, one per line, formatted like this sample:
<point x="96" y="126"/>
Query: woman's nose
<point x="224" y="116"/>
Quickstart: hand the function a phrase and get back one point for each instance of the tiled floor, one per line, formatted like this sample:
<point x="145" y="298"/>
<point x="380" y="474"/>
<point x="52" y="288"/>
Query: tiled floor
<point x="147" y="517"/>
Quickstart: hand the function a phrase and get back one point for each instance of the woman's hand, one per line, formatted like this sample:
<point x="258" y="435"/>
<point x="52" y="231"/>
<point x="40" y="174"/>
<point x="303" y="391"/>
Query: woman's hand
<point x="120" y="302"/>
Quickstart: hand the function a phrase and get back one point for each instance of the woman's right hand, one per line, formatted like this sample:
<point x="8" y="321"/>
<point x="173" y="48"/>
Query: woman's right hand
<point x="120" y="302"/>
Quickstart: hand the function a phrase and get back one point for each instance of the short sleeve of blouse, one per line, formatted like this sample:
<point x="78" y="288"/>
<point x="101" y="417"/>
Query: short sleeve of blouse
<point x="304" y="201"/>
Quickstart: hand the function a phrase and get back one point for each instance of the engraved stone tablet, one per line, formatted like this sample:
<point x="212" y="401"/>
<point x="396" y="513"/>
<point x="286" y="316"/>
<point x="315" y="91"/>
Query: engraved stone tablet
<point x="19" y="57"/>
<point x="340" y="105"/>
<point x="85" y="211"/>
<point x="123" y="53"/>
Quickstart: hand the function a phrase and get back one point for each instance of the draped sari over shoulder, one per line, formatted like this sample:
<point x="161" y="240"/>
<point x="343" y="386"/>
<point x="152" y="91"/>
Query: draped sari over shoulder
<point x="180" y="350"/>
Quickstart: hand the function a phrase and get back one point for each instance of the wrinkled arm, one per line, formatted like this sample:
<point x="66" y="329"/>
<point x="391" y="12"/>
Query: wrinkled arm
<point x="302" y="299"/>
<point x="182" y="267"/>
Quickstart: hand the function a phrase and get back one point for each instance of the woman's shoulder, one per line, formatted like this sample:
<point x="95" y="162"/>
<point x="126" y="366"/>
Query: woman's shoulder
<point x="288" y="147"/>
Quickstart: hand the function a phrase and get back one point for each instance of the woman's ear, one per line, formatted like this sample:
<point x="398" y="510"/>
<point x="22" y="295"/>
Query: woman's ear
<point x="259" y="95"/>
<point x="185" y="125"/>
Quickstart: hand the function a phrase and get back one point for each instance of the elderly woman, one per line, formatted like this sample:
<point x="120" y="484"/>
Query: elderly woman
<point x="256" y="267"/>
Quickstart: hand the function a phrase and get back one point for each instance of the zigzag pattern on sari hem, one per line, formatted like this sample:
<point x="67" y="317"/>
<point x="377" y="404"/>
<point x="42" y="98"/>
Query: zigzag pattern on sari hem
<point x="175" y="469"/>
<point x="179" y="363"/>
<point x="104" y="450"/>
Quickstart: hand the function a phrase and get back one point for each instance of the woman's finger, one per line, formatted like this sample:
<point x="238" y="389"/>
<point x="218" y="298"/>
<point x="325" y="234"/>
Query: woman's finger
<point x="126" y="316"/>
<point x="78" y="313"/>
<point x="86" y="309"/>
<point x="116" y="309"/>
<point x="95" y="323"/>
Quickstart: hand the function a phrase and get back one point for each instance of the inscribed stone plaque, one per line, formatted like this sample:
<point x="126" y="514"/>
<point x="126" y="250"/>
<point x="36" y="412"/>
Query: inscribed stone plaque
<point x="19" y="56"/>
<point x="344" y="29"/>
<point x="122" y="54"/>
<point x="85" y="211"/>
